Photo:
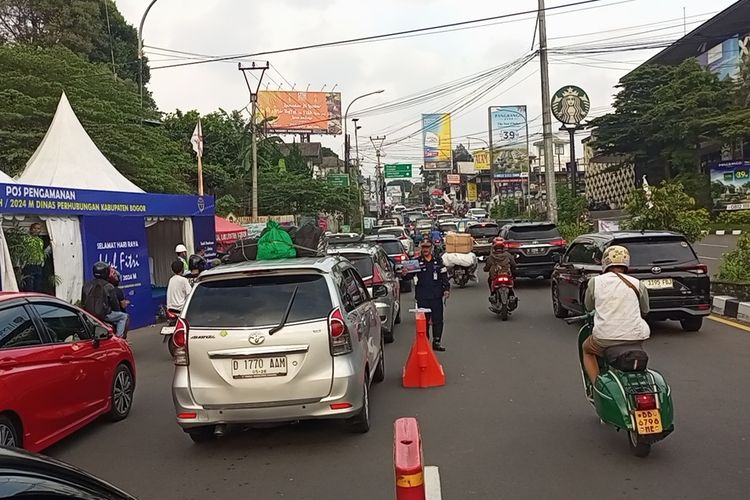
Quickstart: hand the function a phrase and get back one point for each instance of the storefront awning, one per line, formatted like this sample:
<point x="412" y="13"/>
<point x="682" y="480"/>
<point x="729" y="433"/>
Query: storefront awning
<point x="228" y="232"/>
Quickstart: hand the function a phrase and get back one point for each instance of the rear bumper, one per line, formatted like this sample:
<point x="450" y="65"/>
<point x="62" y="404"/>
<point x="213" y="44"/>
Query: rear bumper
<point x="676" y="313"/>
<point x="534" y="270"/>
<point x="346" y="388"/>
<point x="482" y="249"/>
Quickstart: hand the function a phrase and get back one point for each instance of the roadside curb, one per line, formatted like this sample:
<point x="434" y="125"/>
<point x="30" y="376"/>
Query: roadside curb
<point x="724" y="232"/>
<point x="731" y="307"/>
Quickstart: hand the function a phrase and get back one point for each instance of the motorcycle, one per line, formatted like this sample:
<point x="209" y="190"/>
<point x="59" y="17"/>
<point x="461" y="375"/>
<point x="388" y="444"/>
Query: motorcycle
<point x="627" y="395"/>
<point x="502" y="297"/>
<point x="461" y="275"/>
<point x="168" y="330"/>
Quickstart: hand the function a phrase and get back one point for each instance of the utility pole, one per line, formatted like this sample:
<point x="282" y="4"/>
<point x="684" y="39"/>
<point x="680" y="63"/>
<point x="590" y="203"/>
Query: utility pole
<point x="379" y="181"/>
<point x="549" y="167"/>
<point x="140" y="50"/>
<point x="254" y="132"/>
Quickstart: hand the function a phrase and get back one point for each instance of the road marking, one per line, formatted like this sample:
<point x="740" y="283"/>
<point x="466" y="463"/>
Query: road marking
<point x="708" y="258"/>
<point x="712" y="245"/>
<point x="728" y="322"/>
<point x="432" y="483"/>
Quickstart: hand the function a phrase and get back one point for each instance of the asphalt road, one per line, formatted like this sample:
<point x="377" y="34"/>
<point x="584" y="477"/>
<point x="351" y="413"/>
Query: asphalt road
<point x="512" y="422"/>
<point x="711" y="248"/>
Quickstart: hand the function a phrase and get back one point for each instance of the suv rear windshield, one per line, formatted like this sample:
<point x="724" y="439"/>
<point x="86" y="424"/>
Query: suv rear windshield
<point x="537" y="232"/>
<point x="391" y="247"/>
<point x="483" y="230"/>
<point x="258" y="301"/>
<point x="659" y="251"/>
<point x="361" y="262"/>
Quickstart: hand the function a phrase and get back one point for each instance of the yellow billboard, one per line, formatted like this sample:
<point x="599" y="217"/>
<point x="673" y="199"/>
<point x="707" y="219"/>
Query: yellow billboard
<point x="471" y="192"/>
<point x="481" y="159"/>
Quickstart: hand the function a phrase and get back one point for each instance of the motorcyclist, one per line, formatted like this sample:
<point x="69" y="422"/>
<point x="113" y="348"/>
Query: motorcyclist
<point x="619" y="303"/>
<point x="500" y="261"/>
<point x="196" y="265"/>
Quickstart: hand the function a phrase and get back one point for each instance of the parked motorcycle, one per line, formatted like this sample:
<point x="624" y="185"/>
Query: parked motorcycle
<point x="168" y="330"/>
<point x="627" y="395"/>
<point x="502" y="297"/>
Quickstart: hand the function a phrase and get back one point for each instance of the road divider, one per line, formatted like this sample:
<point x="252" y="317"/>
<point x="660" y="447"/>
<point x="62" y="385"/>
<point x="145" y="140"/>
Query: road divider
<point x="414" y="481"/>
<point x="422" y="368"/>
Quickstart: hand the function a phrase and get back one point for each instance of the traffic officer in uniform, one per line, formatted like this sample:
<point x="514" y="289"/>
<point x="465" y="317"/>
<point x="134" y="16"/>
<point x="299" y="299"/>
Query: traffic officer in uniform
<point x="432" y="288"/>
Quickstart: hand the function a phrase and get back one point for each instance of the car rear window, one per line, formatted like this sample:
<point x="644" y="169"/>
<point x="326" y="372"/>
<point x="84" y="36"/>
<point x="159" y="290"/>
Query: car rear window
<point x="448" y="227"/>
<point x="659" y="251"/>
<point x="391" y="247"/>
<point x="361" y="262"/>
<point x="483" y="230"/>
<point x="258" y="301"/>
<point x="392" y="232"/>
<point x="538" y="232"/>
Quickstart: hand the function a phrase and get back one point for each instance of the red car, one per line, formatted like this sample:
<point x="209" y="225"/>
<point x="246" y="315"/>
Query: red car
<point x="60" y="369"/>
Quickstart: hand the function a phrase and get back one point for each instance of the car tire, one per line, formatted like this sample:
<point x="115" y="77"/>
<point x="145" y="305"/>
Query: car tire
<point x="10" y="435"/>
<point x="557" y="308"/>
<point x="379" y="374"/>
<point x="123" y="387"/>
<point x="201" y="434"/>
<point x="360" y="423"/>
<point x="692" y="324"/>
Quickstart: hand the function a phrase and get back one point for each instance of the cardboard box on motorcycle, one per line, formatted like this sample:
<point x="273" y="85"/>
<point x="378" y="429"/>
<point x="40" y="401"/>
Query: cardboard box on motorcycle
<point x="459" y="243"/>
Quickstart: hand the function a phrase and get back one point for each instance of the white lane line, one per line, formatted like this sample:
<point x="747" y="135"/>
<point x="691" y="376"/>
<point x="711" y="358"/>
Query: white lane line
<point x="712" y="245"/>
<point x="432" y="483"/>
<point x="708" y="258"/>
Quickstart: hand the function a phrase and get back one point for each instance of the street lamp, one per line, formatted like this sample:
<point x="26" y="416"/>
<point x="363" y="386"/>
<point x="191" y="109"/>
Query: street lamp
<point x="346" y="134"/>
<point x="140" y="49"/>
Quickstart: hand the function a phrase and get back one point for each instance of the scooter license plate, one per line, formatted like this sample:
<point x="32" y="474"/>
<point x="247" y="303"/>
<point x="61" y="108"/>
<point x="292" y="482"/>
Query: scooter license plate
<point x="648" y="421"/>
<point x="167" y="330"/>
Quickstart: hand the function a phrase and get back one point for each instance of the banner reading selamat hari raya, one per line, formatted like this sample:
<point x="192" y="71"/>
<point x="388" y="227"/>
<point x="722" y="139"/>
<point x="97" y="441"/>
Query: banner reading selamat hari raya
<point x="436" y="141"/>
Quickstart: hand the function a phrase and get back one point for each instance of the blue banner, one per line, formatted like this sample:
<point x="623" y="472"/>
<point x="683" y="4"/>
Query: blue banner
<point x="121" y="242"/>
<point x="24" y="199"/>
<point x="204" y="235"/>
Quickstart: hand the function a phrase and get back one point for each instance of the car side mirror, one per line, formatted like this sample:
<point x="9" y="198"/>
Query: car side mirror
<point x="556" y="258"/>
<point x="101" y="333"/>
<point x="379" y="291"/>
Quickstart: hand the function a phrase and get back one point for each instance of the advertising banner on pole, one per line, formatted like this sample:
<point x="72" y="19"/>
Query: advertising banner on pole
<point x="466" y="167"/>
<point x="436" y="141"/>
<point x="481" y="159"/>
<point x="294" y="112"/>
<point x="509" y="138"/>
<point x="730" y="185"/>
<point x="121" y="242"/>
<point x="454" y="179"/>
<point x="471" y="192"/>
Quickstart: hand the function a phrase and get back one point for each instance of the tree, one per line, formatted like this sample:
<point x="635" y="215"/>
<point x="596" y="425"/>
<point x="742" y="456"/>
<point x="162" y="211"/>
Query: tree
<point x="33" y="81"/>
<point x="460" y="153"/>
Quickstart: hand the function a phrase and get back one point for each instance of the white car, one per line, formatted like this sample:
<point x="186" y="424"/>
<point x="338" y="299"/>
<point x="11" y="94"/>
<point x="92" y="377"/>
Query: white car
<point x="477" y="213"/>
<point x="402" y="235"/>
<point x="276" y="341"/>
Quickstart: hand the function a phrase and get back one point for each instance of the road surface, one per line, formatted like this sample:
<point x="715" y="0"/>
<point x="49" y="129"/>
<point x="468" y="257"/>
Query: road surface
<point x="711" y="248"/>
<point x="512" y="423"/>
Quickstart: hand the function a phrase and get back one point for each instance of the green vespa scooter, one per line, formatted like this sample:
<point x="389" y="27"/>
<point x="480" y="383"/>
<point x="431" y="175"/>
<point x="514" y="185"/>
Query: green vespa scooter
<point x="627" y="395"/>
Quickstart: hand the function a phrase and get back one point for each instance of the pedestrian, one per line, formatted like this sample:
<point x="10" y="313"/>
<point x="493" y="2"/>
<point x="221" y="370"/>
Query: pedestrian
<point x="178" y="289"/>
<point x="33" y="274"/>
<point x="99" y="299"/>
<point x="431" y="290"/>
<point x="182" y="255"/>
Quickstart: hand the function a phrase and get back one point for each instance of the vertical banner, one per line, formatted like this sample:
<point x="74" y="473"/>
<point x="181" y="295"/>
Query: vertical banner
<point x="471" y="192"/>
<point x="436" y="141"/>
<point x="204" y="235"/>
<point x="509" y="138"/>
<point x="121" y="242"/>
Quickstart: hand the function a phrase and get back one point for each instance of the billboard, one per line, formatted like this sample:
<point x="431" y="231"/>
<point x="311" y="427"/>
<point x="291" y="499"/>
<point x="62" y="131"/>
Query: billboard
<point x="466" y="167"/>
<point x="436" y="141"/>
<point x="730" y="185"/>
<point x="454" y="179"/>
<point x="471" y="192"/>
<point x="295" y="112"/>
<point x="724" y="58"/>
<point x="481" y="159"/>
<point x="508" y="137"/>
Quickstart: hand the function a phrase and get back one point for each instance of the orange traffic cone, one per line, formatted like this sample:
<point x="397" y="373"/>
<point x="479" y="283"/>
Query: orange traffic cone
<point x="422" y="368"/>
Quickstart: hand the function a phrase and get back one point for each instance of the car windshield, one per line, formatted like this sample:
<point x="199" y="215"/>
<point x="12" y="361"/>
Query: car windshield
<point x="393" y="232"/>
<point x="659" y="251"/>
<point x="258" y="301"/>
<point x="361" y="262"/>
<point x="483" y="230"/>
<point x="391" y="247"/>
<point x="448" y="227"/>
<point x="535" y="232"/>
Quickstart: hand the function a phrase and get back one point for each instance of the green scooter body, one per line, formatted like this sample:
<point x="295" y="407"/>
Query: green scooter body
<point x="612" y="395"/>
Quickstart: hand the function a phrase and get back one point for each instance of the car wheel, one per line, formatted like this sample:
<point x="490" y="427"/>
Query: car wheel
<point x="360" y="423"/>
<point x="201" y="434"/>
<point x="379" y="374"/>
<point x="557" y="308"/>
<point x="9" y="433"/>
<point x="122" y="393"/>
<point x="692" y="324"/>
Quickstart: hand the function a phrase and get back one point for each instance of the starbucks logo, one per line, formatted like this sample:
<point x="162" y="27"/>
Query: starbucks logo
<point x="570" y="105"/>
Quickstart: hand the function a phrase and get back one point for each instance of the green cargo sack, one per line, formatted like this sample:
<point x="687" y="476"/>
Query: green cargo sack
<point x="275" y="243"/>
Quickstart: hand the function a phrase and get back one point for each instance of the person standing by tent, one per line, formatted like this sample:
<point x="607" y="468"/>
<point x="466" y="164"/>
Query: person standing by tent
<point x="33" y="274"/>
<point x="182" y="255"/>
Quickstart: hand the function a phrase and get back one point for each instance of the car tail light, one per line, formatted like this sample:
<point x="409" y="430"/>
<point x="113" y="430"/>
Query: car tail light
<point x="403" y="237"/>
<point x="513" y="244"/>
<point x="187" y="415"/>
<point x="399" y="258"/>
<point x="179" y="339"/>
<point x="703" y="307"/>
<point x="340" y="406"/>
<point x="339" y="337"/>
<point x="697" y="269"/>
<point x="645" y="401"/>
<point x="558" y="242"/>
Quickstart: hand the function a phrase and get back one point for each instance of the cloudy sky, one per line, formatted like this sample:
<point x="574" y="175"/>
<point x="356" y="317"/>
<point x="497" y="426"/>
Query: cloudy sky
<point x="404" y="66"/>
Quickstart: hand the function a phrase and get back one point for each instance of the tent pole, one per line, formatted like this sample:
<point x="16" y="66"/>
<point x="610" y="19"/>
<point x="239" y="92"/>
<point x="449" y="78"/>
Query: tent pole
<point x="200" y="175"/>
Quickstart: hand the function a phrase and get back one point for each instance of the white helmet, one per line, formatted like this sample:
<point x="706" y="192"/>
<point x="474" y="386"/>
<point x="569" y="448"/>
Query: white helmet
<point x="180" y="248"/>
<point x="615" y="255"/>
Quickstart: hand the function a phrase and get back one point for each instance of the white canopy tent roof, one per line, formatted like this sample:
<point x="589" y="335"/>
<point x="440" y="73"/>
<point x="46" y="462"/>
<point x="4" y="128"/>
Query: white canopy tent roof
<point x="67" y="157"/>
<point x="5" y="178"/>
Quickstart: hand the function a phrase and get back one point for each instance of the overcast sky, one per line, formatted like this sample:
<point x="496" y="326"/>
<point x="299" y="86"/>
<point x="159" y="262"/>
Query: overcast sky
<point x="401" y="67"/>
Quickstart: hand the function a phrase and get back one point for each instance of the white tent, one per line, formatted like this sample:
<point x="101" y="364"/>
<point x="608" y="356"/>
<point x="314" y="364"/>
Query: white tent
<point x="5" y="178"/>
<point x="67" y="157"/>
<point x="7" y="276"/>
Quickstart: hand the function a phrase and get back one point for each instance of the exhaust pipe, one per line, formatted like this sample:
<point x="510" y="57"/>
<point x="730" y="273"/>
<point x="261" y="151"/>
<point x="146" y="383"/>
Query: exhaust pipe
<point x="220" y="430"/>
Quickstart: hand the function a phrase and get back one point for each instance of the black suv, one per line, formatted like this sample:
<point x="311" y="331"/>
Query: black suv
<point x="678" y="284"/>
<point x="534" y="245"/>
<point x="483" y="233"/>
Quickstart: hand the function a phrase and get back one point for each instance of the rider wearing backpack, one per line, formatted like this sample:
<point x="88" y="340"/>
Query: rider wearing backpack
<point x="99" y="298"/>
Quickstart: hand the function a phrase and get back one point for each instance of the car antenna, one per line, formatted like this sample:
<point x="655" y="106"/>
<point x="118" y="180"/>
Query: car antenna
<point x="286" y="313"/>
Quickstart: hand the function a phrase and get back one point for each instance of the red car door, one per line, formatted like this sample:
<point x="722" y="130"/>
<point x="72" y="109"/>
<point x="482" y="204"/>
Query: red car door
<point x="35" y="377"/>
<point x="89" y="384"/>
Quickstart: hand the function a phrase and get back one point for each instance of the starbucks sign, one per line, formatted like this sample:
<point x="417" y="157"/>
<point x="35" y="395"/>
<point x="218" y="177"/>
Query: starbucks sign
<point x="570" y="105"/>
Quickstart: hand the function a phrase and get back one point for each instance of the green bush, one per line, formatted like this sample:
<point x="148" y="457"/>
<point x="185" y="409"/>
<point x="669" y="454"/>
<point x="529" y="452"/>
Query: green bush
<point x="736" y="264"/>
<point x="741" y="217"/>
<point x="572" y="230"/>
<point x="570" y="208"/>
<point x="669" y="208"/>
<point x="505" y="209"/>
